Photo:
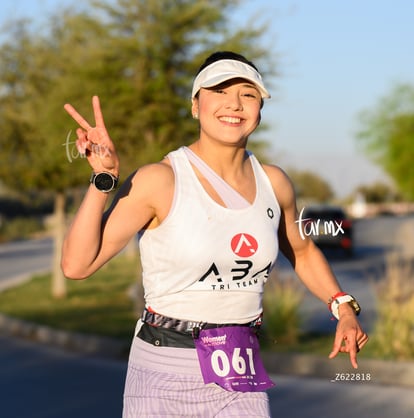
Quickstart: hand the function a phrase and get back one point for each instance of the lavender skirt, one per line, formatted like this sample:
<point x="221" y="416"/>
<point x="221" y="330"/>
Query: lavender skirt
<point x="167" y="382"/>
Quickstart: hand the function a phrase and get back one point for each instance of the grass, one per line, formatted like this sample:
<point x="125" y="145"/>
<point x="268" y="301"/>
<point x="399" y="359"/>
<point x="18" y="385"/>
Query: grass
<point x="281" y="302"/>
<point x="394" y="331"/>
<point x="282" y="322"/>
<point x="99" y="305"/>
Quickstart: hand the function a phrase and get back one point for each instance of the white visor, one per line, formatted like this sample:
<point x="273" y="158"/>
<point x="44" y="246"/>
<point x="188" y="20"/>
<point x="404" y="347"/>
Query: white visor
<point x="223" y="70"/>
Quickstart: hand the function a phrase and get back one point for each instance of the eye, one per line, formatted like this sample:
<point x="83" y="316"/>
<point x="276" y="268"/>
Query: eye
<point x="251" y="95"/>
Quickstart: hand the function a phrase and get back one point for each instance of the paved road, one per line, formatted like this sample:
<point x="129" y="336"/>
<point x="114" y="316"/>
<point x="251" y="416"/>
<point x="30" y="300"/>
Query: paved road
<point x="42" y="382"/>
<point x="21" y="259"/>
<point x="315" y="398"/>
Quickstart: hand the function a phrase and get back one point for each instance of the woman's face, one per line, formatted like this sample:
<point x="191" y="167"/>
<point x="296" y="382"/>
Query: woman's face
<point x="228" y="112"/>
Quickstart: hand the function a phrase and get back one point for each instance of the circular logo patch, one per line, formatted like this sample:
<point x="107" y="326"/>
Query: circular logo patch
<point x="244" y="245"/>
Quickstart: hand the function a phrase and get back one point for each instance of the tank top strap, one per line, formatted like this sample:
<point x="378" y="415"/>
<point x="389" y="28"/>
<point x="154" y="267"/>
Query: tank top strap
<point x="231" y="197"/>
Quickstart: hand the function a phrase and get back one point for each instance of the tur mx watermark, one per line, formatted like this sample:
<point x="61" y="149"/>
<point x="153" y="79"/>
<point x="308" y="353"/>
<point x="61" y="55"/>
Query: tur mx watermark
<point x="313" y="227"/>
<point x="73" y="153"/>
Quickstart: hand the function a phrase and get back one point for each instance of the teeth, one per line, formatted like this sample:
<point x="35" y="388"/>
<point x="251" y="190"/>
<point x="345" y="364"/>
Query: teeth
<point x="230" y="119"/>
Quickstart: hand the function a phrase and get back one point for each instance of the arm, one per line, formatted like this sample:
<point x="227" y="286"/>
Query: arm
<point x="312" y="267"/>
<point x="94" y="235"/>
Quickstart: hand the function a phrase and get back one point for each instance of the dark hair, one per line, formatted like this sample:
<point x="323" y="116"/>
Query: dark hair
<point x="225" y="55"/>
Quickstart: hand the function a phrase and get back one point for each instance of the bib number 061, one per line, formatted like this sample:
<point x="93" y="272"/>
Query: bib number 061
<point x="221" y="364"/>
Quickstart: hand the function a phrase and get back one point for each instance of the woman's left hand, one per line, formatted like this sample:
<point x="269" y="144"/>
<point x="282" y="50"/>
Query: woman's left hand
<point x="349" y="338"/>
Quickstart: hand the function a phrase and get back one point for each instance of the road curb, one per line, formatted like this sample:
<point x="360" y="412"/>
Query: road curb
<point x="337" y="370"/>
<point x="71" y="341"/>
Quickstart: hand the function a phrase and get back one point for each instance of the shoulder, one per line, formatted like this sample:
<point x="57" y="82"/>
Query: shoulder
<point x="151" y="180"/>
<point x="275" y="172"/>
<point x="157" y="173"/>
<point x="152" y="187"/>
<point x="281" y="183"/>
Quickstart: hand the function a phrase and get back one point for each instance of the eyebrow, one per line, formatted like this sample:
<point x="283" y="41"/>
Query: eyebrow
<point x="227" y="83"/>
<point x="252" y="86"/>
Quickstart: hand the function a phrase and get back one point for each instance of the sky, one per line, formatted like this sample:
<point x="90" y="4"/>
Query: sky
<point x="336" y="59"/>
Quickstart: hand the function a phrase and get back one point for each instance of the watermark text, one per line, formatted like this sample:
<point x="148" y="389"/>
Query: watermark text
<point x="73" y="153"/>
<point x="313" y="227"/>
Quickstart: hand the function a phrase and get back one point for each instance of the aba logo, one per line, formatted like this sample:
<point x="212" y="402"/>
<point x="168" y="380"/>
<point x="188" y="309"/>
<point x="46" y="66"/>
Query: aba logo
<point x="244" y="245"/>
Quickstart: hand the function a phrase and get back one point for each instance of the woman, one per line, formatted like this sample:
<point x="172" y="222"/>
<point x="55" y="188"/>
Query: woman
<point x="210" y="219"/>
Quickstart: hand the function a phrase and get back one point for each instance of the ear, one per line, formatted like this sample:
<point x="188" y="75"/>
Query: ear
<point x="194" y="108"/>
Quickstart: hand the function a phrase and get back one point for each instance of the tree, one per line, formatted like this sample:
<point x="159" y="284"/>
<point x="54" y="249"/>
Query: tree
<point x="139" y="56"/>
<point x="387" y="136"/>
<point x="377" y="193"/>
<point x="310" y="186"/>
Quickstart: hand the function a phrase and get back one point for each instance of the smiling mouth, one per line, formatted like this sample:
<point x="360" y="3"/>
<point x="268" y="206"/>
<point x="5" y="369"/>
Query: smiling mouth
<point x="230" y="119"/>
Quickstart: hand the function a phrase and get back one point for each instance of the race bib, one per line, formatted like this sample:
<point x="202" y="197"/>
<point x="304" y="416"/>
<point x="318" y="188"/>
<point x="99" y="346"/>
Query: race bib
<point x="229" y="357"/>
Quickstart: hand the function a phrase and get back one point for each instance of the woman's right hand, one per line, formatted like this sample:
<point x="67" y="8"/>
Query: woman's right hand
<point x="94" y="142"/>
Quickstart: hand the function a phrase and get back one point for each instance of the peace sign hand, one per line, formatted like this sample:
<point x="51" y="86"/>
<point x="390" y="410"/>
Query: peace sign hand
<point x="94" y="142"/>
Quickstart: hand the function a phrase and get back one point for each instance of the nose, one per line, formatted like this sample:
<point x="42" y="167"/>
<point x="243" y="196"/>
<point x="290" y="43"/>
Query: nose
<point x="233" y="101"/>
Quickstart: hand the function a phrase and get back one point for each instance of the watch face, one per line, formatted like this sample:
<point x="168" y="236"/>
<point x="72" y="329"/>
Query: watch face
<point x="104" y="182"/>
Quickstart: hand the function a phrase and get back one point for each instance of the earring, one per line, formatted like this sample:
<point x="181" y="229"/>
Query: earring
<point x="195" y="116"/>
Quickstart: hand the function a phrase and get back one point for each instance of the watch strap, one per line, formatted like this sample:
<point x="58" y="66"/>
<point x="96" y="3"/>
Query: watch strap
<point x="341" y="298"/>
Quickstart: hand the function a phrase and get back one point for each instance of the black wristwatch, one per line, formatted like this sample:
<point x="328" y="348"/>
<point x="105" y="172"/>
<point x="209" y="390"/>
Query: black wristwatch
<point x="104" y="181"/>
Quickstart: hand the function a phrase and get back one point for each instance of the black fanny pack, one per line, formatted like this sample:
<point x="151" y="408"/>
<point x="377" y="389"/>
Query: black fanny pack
<point x="165" y="337"/>
<point x="162" y="331"/>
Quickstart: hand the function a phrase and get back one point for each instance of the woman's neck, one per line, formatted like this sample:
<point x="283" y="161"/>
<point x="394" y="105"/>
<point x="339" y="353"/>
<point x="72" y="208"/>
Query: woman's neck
<point x="226" y="160"/>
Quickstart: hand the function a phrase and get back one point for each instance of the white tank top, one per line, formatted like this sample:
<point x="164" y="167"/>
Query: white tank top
<point x="206" y="262"/>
